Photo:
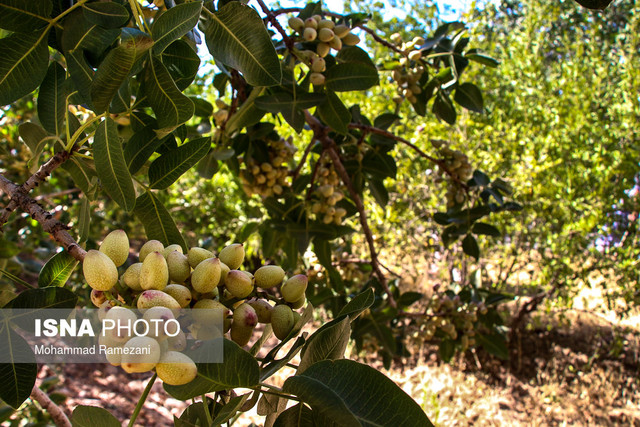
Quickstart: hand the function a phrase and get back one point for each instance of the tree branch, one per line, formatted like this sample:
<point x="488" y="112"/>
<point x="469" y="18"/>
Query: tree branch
<point x="321" y="133"/>
<point x="441" y="164"/>
<point x="271" y="17"/>
<point x="380" y="39"/>
<point x="58" y="416"/>
<point x="34" y="180"/>
<point x="51" y="225"/>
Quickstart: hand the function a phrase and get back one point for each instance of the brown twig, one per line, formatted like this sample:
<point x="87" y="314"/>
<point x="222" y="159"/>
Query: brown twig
<point x="380" y="39"/>
<point x="51" y="225"/>
<point x="57" y="414"/>
<point x="34" y="180"/>
<point x="271" y="17"/>
<point x="441" y="164"/>
<point x="321" y="134"/>
<point x="307" y="150"/>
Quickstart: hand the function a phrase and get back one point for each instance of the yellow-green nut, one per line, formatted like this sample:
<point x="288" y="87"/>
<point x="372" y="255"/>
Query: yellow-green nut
<point x="282" y="321"/>
<point x="238" y="284"/>
<point x="269" y="276"/>
<point x="296" y="24"/>
<point x="326" y="34"/>
<point x="209" y="312"/>
<point x="177" y="343"/>
<point x="317" y="79"/>
<point x="341" y="30"/>
<point x="116" y="247"/>
<point x="172" y="248"/>
<point x="161" y="323"/>
<point x="294" y="288"/>
<point x="155" y="298"/>
<point x="179" y="268"/>
<point x="415" y="55"/>
<point x="263" y="310"/>
<point x="149" y="247"/>
<point x="318" y="65"/>
<point x="196" y="255"/>
<point x="118" y="324"/>
<point x="299" y="303"/>
<point x="99" y="271"/>
<point x="309" y="34"/>
<point x="336" y="43"/>
<point x="224" y="270"/>
<point x="154" y="273"/>
<point x="323" y="49"/>
<point x="98" y="297"/>
<point x="176" y="368"/>
<point x="206" y="276"/>
<point x="232" y="255"/>
<point x="326" y="23"/>
<point x="141" y="354"/>
<point x="112" y="353"/>
<point x="296" y="317"/>
<point x="180" y="293"/>
<point x="350" y="39"/>
<point x="131" y="277"/>
<point x="245" y="320"/>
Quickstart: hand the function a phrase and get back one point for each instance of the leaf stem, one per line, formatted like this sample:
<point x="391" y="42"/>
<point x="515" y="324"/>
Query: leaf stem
<point x="141" y="401"/>
<point x="207" y="413"/>
<point x="16" y="279"/>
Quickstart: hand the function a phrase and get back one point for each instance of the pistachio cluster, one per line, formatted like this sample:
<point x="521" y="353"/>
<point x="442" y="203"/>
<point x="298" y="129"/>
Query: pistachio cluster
<point x="353" y="272"/>
<point x="221" y="294"/>
<point x="409" y="71"/>
<point x="327" y="194"/>
<point x="328" y="35"/>
<point x="456" y="169"/>
<point x="222" y="114"/>
<point x="268" y="178"/>
<point x="450" y="317"/>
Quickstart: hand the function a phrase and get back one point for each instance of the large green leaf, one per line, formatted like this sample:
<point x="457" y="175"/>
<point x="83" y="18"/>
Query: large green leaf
<point x="79" y="34"/>
<point x="92" y="416"/>
<point x="140" y="147"/>
<point x="24" y="15"/>
<point x="166" y="169"/>
<point x="285" y="101"/>
<point x="358" y="304"/>
<point x="469" y="96"/>
<point x="239" y="369"/>
<point x="237" y="37"/>
<point x="17" y="379"/>
<point x="329" y="343"/>
<point x="172" y="108"/>
<point x="297" y="415"/>
<point x="334" y="113"/>
<point x="157" y="221"/>
<point x="57" y="270"/>
<point x="352" y="394"/>
<point x="351" y="76"/>
<point x="81" y="75"/>
<point x="116" y="67"/>
<point x="45" y="298"/>
<point x="173" y="24"/>
<point x="52" y="98"/>
<point x="82" y="172"/>
<point x="23" y="64"/>
<point x="110" y="165"/>
<point x="108" y="15"/>
<point x="34" y="137"/>
<point x="182" y="62"/>
<point x="290" y="106"/>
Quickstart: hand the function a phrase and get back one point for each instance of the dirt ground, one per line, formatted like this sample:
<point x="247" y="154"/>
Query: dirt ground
<point x="581" y="371"/>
